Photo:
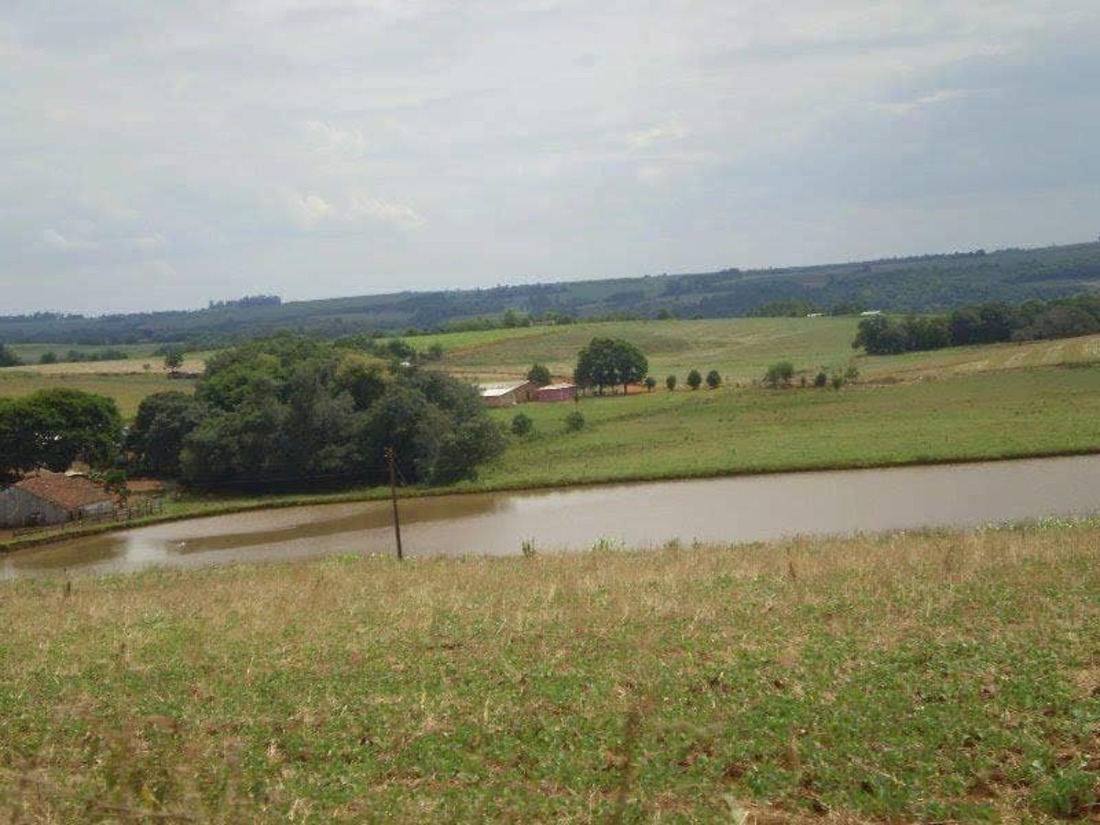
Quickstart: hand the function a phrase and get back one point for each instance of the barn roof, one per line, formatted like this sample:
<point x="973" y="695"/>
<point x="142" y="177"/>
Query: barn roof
<point x="503" y="388"/>
<point x="67" y="492"/>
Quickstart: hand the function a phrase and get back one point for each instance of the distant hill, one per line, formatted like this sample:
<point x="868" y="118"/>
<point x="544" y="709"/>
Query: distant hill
<point x="928" y="283"/>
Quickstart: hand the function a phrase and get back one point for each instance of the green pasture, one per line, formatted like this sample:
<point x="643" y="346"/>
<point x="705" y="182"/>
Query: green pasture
<point x="684" y="433"/>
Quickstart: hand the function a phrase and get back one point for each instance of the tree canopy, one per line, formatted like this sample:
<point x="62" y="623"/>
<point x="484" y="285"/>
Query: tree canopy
<point x="606" y="362"/>
<point x="293" y="410"/>
<point x="52" y="428"/>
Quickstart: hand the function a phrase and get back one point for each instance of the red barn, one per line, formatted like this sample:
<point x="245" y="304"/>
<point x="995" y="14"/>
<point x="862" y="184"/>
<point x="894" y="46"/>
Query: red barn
<point x="557" y="392"/>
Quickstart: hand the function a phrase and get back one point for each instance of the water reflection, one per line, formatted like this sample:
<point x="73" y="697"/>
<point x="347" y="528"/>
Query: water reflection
<point x="730" y="509"/>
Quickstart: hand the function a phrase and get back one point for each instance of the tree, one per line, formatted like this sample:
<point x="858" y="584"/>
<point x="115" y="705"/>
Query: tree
<point x="8" y="358"/>
<point x="163" y="421"/>
<point x="713" y="379"/>
<point x="173" y="358"/>
<point x="52" y="428"/>
<point x="606" y="362"/>
<point x="539" y="374"/>
<point x="650" y="383"/>
<point x="670" y="383"/>
<point x="779" y="374"/>
<point x="694" y="379"/>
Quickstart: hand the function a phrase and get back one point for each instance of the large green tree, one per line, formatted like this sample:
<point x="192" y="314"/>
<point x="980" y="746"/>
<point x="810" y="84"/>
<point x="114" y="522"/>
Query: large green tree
<point x="156" y="436"/>
<point x="606" y="362"/>
<point x="52" y="428"/>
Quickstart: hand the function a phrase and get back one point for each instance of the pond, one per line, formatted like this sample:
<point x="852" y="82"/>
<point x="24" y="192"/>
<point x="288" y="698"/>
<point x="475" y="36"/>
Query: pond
<point x="738" y="509"/>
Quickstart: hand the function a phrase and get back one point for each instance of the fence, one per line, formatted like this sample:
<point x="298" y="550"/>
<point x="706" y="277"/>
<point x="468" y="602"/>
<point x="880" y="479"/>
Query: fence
<point x="147" y="507"/>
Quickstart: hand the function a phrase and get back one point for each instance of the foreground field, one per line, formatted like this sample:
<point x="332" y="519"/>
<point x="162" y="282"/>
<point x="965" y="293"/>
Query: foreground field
<point x="911" y="677"/>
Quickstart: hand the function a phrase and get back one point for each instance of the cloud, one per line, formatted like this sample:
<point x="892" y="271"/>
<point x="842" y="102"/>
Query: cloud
<point x="330" y="138"/>
<point x="55" y="240"/>
<point x="929" y="99"/>
<point x="286" y="145"/>
<point x="670" y="130"/>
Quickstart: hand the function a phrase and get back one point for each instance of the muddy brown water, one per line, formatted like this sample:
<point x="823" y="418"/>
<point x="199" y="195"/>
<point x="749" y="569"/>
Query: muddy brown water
<point x="746" y="508"/>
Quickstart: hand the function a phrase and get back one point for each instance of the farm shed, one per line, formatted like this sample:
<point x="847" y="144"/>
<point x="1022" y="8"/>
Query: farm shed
<point x="558" y="392"/>
<point x="51" y="498"/>
<point x="507" y="394"/>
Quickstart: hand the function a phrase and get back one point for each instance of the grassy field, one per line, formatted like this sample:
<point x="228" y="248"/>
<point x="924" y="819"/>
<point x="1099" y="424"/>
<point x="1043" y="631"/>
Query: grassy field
<point x="127" y="389"/>
<point x="670" y="435"/>
<point x="930" y="677"/>
<point x="741" y="349"/>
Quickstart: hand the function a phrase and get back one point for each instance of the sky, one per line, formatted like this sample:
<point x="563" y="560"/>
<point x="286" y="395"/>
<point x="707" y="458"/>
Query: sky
<point x="159" y="155"/>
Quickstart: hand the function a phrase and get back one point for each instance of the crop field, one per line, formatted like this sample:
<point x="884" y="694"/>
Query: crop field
<point x="915" y="677"/>
<point x="713" y="432"/>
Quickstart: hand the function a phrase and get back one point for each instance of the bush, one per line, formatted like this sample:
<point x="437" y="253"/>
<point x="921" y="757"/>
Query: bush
<point x="574" y="422"/>
<point x="779" y="374"/>
<point x="713" y="379"/>
<point x="522" y="425"/>
<point x="650" y="383"/>
<point x="821" y="379"/>
<point x="694" y="379"/>
<point x="539" y="374"/>
<point x="670" y="382"/>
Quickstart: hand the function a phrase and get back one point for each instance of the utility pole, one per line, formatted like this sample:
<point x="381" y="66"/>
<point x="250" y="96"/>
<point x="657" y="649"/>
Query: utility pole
<point x="391" y="458"/>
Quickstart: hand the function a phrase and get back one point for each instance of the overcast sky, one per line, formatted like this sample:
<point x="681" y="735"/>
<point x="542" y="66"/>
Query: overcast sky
<point x="156" y="155"/>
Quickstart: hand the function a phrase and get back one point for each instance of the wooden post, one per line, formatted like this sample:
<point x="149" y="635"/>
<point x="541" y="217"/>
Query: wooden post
<point x="391" y="461"/>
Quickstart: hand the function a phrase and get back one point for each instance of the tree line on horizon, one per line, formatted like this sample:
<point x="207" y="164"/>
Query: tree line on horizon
<point x="919" y="284"/>
<point x="980" y="324"/>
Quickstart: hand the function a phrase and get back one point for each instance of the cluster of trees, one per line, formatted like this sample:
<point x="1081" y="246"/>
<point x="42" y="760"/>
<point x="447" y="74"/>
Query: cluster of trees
<point x="290" y="410"/>
<point x="75" y="356"/>
<point x="608" y="362"/>
<point x="695" y="380"/>
<point x="981" y="324"/>
<point x="52" y="428"/>
<point x="780" y="375"/>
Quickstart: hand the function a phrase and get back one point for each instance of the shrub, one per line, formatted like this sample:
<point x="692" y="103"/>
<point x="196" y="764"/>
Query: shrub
<point x="713" y="379"/>
<point x="670" y="382"/>
<point x="574" y="422"/>
<point x="821" y="379"/>
<point x="522" y="425"/>
<point x="694" y="379"/>
<point x="650" y="383"/>
<point x="779" y="374"/>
